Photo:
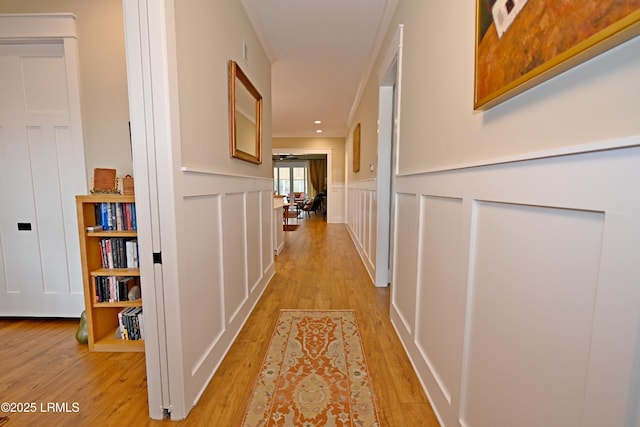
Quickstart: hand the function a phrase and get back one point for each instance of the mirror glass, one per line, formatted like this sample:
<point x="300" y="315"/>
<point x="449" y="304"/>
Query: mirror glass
<point x="245" y="116"/>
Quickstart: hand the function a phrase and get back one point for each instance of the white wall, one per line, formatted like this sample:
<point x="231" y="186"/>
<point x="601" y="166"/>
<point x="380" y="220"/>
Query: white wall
<point x="595" y="101"/>
<point x="223" y="205"/>
<point x="204" y="45"/>
<point x="103" y="78"/>
<point x="514" y="231"/>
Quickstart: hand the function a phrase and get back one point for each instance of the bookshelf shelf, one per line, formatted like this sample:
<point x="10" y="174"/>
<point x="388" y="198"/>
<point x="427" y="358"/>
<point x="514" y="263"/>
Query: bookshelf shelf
<point x="126" y="233"/>
<point x="134" y="303"/>
<point x="110" y="343"/>
<point x="115" y="272"/>
<point x="110" y="269"/>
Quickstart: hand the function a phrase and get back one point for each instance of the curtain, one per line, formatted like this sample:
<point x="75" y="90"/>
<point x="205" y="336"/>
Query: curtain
<point x="318" y="174"/>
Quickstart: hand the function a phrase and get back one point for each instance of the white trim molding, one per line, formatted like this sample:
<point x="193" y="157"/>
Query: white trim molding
<point x="37" y="26"/>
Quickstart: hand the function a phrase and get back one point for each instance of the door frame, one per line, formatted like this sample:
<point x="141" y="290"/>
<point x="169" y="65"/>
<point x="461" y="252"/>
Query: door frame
<point x="152" y="87"/>
<point x="60" y="29"/>
<point x="389" y="80"/>
<point x="329" y="153"/>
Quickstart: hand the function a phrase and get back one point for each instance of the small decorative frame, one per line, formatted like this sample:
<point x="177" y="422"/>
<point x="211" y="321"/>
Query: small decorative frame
<point x="522" y="43"/>
<point x="356" y="148"/>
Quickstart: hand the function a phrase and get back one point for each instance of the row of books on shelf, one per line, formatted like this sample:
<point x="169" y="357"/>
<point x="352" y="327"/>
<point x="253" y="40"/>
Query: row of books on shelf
<point x="116" y="289"/>
<point x="115" y="216"/>
<point x="119" y="252"/>
<point x="131" y="324"/>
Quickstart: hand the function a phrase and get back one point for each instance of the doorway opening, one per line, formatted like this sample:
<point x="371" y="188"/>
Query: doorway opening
<point x="295" y="154"/>
<point x="388" y="132"/>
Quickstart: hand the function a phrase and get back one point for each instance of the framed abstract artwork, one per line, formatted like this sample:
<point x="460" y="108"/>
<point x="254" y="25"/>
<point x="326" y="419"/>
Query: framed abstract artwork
<point x="521" y="43"/>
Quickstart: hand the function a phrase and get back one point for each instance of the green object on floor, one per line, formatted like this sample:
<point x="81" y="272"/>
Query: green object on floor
<point x="81" y="334"/>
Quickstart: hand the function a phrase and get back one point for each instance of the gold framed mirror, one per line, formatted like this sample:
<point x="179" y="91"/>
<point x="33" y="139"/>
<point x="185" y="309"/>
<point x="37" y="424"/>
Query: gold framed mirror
<point x="245" y="117"/>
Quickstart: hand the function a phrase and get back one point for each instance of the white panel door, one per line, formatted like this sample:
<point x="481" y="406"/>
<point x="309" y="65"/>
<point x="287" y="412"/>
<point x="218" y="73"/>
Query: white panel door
<point x="39" y="255"/>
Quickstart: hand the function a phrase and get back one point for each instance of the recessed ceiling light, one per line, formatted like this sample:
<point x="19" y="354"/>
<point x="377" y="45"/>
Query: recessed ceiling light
<point x="317" y="122"/>
<point x="318" y="130"/>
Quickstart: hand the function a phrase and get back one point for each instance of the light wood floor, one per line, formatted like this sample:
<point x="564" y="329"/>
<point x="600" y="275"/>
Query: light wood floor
<point x="319" y="268"/>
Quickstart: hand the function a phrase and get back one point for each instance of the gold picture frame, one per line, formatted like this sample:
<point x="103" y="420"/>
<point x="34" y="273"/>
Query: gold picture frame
<point x="245" y="117"/>
<point x="356" y="148"/>
<point x="522" y="43"/>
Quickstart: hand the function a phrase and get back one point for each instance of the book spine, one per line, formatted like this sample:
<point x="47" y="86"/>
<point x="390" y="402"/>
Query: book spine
<point x="112" y="290"/>
<point x="119" y="216"/>
<point x="134" y="221"/>
<point x="141" y="322"/>
<point x="130" y="325"/>
<point x="136" y="322"/>
<point x="116" y="252"/>
<point x="113" y="213"/>
<point x="109" y="253"/>
<point x="132" y="253"/>
<point x="97" y="211"/>
<point x="97" y="288"/>
<point x="104" y="208"/>
<point x="134" y="325"/>
<point x="121" y="324"/>
<point x="116" y="289"/>
<point x="101" y="246"/>
<point x="104" y="282"/>
<point x="123" y="253"/>
<point x="126" y="223"/>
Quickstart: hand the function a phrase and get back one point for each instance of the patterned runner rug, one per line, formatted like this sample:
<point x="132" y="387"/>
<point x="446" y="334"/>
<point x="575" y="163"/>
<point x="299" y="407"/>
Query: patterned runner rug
<point x="314" y="374"/>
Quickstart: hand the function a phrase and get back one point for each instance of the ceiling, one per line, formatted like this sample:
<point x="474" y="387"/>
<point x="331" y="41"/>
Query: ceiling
<point x="320" y="51"/>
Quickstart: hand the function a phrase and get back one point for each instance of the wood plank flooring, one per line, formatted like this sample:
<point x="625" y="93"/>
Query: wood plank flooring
<point x="319" y="268"/>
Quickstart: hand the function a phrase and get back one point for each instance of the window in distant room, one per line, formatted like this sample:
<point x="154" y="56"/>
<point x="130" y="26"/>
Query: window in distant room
<point x="288" y="179"/>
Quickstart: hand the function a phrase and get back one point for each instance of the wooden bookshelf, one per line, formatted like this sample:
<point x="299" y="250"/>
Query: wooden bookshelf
<point x="103" y="326"/>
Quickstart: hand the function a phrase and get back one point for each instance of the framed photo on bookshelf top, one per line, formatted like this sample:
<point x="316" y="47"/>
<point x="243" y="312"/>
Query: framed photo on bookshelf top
<point x="522" y="43"/>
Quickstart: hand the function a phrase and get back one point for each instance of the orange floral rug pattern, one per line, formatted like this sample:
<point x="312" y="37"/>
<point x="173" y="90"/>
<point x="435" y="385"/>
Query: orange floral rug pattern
<point x="314" y="374"/>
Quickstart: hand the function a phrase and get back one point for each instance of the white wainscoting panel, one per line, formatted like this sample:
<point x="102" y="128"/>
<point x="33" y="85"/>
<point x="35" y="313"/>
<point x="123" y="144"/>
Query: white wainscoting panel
<point x="278" y="231"/>
<point x="365" y="226"/>
<point x="254" y="227"/>
<point x="204" y="277"/>
<point x="405" y="259"/>
<point x="235" y="245"/>
<point x="516" y="288"/>
<point x="440" y="292"/>
<point x="373" y="230"/>
<point x="266" y="233"/>
<point x="227" y="236"/>
<point x="336" y="207"/>
<point x="361" y="222"/>
<point x="532" y="298"/>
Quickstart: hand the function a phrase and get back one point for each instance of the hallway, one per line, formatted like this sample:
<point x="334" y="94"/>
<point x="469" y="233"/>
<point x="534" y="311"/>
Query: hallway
<point x="318" y="268"/>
